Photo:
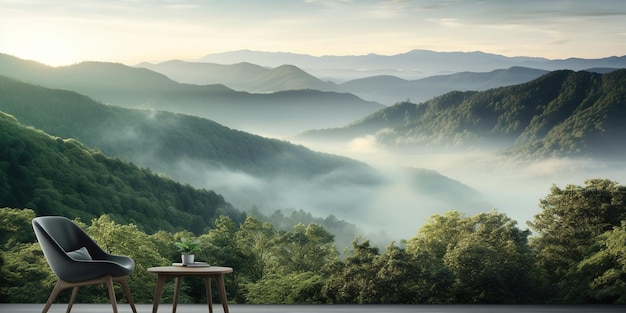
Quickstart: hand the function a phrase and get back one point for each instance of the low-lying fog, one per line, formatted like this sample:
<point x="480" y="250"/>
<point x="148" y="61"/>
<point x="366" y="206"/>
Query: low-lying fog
<point x="511" y="187"/>
<point x="395" y="209"/>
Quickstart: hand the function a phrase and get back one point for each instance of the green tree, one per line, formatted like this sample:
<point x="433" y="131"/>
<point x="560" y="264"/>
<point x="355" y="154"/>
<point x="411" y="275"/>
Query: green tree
<point x="606" y="267"/>
<point x="482" y="259"/>
<point x="568" y="225"/>
<point x="220" y="247"/>
<point x="15" y="227"/>
<point x="128" y="240"/>
<point x="291" y="262"/>
<point x="306" y="249"/>
<point x="26" y="276"/>
<point x="429" y="247"/>
<point x="292" y="288"/>
<point x="396" y="276"/>
<point x="258" y="238"/>
<point x="351" y="281"/>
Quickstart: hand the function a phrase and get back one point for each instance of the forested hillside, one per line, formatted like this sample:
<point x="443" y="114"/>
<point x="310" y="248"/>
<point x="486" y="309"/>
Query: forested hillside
<point x="562" y="113"/>
<point x="157" y="138"/>
<point x="55" y="176"/>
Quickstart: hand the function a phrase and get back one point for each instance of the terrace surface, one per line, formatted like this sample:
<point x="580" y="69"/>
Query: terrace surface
<point x="287" y="308"/>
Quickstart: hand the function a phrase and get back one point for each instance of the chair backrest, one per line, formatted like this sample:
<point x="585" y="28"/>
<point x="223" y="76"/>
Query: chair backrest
<point x="58" y="235"/>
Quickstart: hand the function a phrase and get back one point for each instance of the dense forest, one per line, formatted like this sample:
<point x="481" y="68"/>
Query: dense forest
<point x="576" y="255"/>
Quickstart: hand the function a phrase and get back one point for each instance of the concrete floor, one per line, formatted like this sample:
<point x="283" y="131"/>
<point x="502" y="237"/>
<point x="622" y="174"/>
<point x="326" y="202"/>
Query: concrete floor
<point x="287" y="308"/>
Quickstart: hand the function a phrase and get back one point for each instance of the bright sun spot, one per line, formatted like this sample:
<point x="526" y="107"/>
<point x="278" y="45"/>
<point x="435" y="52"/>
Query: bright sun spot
<point x="47" y="50"/>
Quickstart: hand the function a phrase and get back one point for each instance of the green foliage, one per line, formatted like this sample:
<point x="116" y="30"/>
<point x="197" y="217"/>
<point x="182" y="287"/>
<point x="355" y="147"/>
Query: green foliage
<point x="15" y="227"/>
<point x="352" y="280"/>
<point x="306" y="249"/>
<point x="60" y="177"/>
<point x="187" y="246"/>
<point x="458" y="246"/>
<point x="25" y="274"/>
<point x="129" y="240"/>
<point x="293" y="288"/>
<point x="259" y="252"/>
<point x="605" y="268"/>
<point x="343" y="231"/>
<point x="569" y="230"/>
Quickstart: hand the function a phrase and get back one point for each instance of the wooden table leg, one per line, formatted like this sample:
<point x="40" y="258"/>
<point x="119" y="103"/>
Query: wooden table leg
<point x="207" y="287"/>
<point x="157" y="293"/>
<point x="176" y="290"/>
<point x="220" y="285"/>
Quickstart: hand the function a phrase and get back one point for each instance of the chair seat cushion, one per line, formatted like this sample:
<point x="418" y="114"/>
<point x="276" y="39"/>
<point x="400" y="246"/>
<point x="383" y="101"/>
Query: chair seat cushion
<point x="80" y="254"/>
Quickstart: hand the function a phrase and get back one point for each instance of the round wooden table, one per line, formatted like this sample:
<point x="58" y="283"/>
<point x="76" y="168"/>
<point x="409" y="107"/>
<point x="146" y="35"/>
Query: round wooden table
<point x="177" y="272"/>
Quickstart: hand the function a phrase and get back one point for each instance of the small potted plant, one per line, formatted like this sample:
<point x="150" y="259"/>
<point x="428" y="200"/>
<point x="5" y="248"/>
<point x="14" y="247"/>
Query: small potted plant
<point x="187" y="248"/>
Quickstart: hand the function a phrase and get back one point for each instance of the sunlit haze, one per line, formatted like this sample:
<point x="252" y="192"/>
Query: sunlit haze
<point x="71" y="31"/>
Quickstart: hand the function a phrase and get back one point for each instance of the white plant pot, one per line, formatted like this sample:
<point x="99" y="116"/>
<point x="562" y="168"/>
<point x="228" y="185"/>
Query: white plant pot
<point x="187" y="258"/>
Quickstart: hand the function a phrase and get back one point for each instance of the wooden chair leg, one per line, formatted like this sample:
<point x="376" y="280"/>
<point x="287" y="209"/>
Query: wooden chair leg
<point x="53" y="295"/>
<point x="72" y="299"/>
<point x="109" y="282"/>
<point x="129" y="296"/>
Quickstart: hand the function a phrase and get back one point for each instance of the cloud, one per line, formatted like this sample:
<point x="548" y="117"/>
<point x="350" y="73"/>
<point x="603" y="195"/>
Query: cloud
<point x="365" y="144"/>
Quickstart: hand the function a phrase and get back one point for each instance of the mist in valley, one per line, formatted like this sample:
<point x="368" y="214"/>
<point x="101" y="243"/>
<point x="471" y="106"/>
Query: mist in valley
<point x="514" y="187"/>
<point x="409" y="186"/>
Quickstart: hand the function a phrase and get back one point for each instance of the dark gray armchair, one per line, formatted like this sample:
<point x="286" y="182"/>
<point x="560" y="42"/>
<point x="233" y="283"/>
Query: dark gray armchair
<point x="78" y="261"/>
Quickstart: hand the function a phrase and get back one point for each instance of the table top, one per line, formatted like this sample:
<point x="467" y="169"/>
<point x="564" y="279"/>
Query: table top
<point x="185" y="270"/>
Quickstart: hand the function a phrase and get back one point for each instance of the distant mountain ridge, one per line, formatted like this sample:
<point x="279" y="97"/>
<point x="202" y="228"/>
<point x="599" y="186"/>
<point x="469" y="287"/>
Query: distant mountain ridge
<point x="279" y="113"/>
<point x="244" y="76"/>
<point x="411" y="65"/>
<point x="385" y="89"/>
<point x="390" y="89"/>
<point x="562" y="113"/>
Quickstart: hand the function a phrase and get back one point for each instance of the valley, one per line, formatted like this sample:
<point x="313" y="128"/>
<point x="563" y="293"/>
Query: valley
<point x="351" y="169"/>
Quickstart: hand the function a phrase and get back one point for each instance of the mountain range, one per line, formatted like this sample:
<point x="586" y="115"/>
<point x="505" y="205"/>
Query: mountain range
<point x="411" y="65"/>
<point x="385" y="89"/>
<point x="243" y="76"/>
<point x="279" y="113"/>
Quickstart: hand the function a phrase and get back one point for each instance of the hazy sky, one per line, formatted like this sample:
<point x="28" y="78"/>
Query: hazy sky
<point x="131" y="31"/>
